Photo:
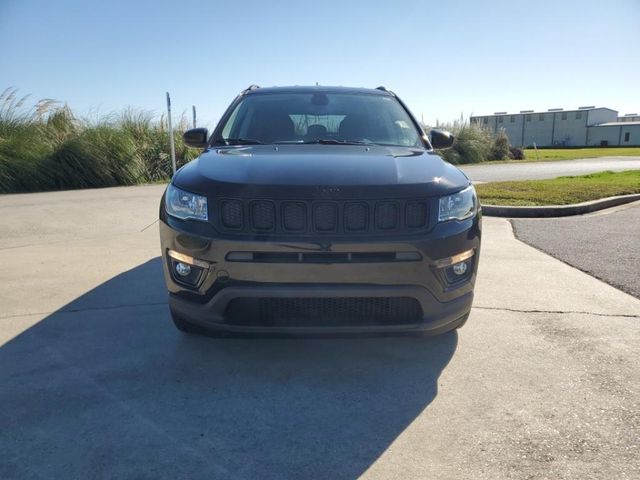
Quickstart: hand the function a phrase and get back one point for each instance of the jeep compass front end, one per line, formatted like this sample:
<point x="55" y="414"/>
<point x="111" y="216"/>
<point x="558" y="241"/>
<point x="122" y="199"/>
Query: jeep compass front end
<point x="318" y="210"/>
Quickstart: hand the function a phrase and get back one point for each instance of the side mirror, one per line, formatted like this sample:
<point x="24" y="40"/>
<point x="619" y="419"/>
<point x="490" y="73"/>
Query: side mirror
<point x="196" y="137"/>
<point x="441" y="139"/>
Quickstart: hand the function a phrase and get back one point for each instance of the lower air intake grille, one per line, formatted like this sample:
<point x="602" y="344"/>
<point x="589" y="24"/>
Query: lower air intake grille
<point x="329" y="311"/>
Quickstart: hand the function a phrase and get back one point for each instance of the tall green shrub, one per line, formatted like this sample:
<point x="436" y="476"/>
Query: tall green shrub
<point x="500" y="146"/>
<point x="47" y="147"/>
<point x="472" y="144"/>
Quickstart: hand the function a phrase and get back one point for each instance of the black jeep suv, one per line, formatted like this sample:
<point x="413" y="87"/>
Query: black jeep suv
<point x="319" y="210"/>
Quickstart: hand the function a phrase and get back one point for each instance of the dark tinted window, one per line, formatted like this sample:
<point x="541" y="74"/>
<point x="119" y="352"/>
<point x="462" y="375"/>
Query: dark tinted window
<point x="310" y="117"/>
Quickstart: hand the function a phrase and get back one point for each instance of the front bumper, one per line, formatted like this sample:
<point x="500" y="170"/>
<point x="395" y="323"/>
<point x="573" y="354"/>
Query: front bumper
<point x="444" y="305"/>
<point x="440" y="317"/>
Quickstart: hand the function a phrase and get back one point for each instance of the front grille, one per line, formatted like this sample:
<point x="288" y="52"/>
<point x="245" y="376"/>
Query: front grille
<point x="328" y="311"/>
<point x="231" y="214"/>
<point x="263" y="215"/>
<point x="415" y="214"/>
<point x="356" y="217"/>
<point x="323" y="217"/>
<point x="386" y="215"/>
<point x="294" y="216"/>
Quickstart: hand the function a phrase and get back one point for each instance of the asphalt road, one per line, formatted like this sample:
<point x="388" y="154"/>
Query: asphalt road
<point x="496" y="172"/>
<point x="95" y="382"/>
<point x="604" y="244"/>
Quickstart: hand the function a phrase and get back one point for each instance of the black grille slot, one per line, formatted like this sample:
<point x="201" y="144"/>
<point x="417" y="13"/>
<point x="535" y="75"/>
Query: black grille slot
<point x="325" y="217"/>
<point x="313" y="217"/>
<point x="263" y="215"/>
<point x="415" y="214"/>
<point x="326" y="311"/>
<point x="387" y="215"/>
<point x="231" y="214"/>
<point x="294" y="216"/>
<point x="323" y="257"/>
<point x="275" y="257"/>
<point x="356" y="217"/>
<point x="373" y="257"/>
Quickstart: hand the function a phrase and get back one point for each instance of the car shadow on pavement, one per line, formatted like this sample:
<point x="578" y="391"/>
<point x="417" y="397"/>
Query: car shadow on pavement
<point x="106" y="387"/>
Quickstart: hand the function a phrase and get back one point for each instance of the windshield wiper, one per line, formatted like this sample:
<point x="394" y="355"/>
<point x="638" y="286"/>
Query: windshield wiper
<point x="326" y="141"/>
<point x="237" y="141"/>
<point x="333" y="141"/>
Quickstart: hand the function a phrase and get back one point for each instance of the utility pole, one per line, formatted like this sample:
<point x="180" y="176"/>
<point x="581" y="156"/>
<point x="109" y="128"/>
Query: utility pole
<point x="171" y="143"/>
<point x="193" y="109"/>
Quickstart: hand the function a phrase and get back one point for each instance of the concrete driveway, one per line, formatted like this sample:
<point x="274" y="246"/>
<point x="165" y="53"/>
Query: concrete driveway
<point x="95" y="382"/>
<point x="603" y="244"/>
<point x="497" y="172"/>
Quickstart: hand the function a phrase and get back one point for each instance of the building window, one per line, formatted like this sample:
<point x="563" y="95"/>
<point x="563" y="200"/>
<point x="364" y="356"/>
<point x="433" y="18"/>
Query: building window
<point x="528" y="118"/>
<point x="626" y="136"/>
<point x="541" y="117"/>
<point x="563" y="116"/>
<point x="513" y="119"/>
<point x="499" y="119"/>
<point x="485" y="120"/>
<point x="578" y="115"/>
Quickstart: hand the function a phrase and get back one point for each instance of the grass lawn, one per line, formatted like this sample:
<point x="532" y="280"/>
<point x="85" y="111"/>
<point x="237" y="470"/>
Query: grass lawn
<point x="560" y="191"/>
<point x="572" y="153"/>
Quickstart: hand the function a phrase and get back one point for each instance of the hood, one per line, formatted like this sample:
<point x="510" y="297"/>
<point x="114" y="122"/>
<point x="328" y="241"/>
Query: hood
<point x="319" y="171"/>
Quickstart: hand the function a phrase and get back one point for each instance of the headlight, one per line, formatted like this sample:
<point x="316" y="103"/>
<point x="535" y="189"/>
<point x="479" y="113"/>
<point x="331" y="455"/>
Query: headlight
<point x="181" y="204"/>
<point x="458" y="206"/>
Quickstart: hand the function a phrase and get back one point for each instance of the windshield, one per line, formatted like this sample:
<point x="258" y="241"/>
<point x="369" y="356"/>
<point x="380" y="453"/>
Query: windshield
<point x="327" y="118"/>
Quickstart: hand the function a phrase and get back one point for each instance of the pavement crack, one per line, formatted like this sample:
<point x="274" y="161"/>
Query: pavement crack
<point x="560" y="312"/>
<point x="148" y="226"/>
<point x="80" y="310"/>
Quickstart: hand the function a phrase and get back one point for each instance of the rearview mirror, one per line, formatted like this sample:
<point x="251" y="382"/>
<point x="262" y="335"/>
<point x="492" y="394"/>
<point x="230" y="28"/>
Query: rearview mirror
<point x="441" y="139"/>
<point x="196" y="137"/>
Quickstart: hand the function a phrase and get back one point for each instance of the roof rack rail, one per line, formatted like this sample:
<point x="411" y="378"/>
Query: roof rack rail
<point x="253" y="86"/>
<point x="384" y="89"/>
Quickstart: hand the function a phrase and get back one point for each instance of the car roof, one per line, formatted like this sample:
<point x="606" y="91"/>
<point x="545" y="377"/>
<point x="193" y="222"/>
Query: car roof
<point x="255" y="90"/>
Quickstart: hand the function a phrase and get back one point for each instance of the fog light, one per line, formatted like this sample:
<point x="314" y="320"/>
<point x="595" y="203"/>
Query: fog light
<point x="460" y="268"/>
<point x="187" y="270"/>
<point x="183" y="269"/>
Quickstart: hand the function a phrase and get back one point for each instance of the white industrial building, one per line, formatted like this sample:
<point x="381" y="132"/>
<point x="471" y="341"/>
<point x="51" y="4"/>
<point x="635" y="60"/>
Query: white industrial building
<point x="585" y="126"/>
<point x="629" y="117"/>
